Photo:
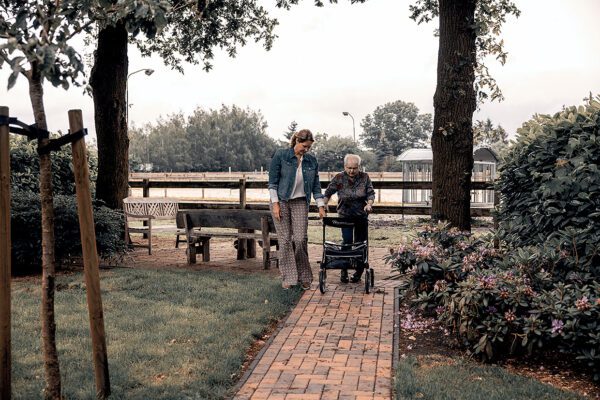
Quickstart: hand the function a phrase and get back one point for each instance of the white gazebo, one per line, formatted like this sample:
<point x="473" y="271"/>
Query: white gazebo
<point x="417" y="166"/>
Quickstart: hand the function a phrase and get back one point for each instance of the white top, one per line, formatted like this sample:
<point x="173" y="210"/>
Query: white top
<point x="298" y="183"/>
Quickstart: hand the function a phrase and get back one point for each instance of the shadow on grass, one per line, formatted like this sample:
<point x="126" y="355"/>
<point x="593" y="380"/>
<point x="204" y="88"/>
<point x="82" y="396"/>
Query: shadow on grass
<point x="170" y="334"/>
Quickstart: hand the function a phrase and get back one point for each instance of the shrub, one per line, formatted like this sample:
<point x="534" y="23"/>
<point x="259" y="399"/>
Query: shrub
<point x="26" y="209"/>
<point x="26" y="231"/>
<point x="550" y="184"/>
<point x="25" y="168"/>
<point x="500" y="302"/>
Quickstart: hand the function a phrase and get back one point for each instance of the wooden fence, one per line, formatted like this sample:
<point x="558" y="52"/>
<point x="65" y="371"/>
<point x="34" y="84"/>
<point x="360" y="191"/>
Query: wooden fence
<point x="204" y="181"/>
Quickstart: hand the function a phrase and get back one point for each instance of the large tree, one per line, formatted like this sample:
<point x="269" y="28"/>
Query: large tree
<point x="468" y="31"/>
<point x="401" y="125"/>
<point x="179" y="31"/>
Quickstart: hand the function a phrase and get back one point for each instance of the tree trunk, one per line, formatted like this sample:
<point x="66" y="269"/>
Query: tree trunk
<point x="51" y="365"/>
<point x="109" y="86"/>
<point x="454" y="105"/>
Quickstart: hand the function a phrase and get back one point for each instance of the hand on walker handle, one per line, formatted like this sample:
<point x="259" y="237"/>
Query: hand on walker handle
<point x="322" y="212"/>
<point x="368" y="208"/>
<point x="276" y="211"/>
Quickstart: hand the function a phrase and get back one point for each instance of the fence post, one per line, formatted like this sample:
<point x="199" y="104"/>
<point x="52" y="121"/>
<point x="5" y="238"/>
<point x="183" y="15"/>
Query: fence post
<point x="379" y="193"/>
<point x="90" y="258"/>
<point x="5" y="340"/>
<point x="246" y="248"/>
<point x="146" y="187"/>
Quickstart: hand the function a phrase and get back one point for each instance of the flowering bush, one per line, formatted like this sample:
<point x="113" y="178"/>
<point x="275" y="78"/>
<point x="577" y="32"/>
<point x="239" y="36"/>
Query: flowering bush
<point x="500" y="302"/>
<point x="439" y="256"/>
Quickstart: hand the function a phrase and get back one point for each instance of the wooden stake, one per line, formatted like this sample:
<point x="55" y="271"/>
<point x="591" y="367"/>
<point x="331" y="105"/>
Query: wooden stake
<point x="90" y="258"/>
<point x="5" y="346"/>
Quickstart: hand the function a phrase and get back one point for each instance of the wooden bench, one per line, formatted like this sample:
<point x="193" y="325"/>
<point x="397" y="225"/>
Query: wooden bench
<point x="247" y="222"/>
<point x="147" y="209"/>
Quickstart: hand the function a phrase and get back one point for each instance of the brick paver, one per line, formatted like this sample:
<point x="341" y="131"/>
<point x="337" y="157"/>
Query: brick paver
<point x="336" y="345"/>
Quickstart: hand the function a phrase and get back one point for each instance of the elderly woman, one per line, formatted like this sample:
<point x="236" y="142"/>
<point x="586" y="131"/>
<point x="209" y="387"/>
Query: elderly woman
<point x="293" y="178"/>
<point x="355" y="199"/>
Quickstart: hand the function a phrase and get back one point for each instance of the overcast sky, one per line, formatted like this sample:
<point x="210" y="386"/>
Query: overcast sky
<point x="354" y="58"/>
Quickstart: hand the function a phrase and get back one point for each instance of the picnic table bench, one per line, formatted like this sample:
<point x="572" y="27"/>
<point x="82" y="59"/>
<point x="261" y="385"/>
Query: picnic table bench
<point x="247" y="222"/>
<point x="148" y="209"/>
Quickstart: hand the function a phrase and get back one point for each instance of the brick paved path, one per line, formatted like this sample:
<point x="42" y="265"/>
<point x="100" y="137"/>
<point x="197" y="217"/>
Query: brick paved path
<point x="333" y="346"/>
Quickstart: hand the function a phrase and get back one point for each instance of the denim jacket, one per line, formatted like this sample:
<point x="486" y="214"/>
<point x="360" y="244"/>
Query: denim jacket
<point x="282" y="175"/>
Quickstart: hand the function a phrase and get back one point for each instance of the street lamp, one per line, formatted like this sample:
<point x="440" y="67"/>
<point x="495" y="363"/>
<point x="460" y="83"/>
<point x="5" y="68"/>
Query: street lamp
<point x="148" y="72"/>
<point x="346" y="114"/>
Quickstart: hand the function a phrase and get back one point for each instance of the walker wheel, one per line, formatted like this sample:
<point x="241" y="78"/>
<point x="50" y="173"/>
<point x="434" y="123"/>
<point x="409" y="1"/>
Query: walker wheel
<point x="372" y="278"/>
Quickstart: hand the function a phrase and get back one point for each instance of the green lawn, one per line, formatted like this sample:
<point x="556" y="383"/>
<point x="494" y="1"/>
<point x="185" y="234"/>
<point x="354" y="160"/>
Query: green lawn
<point x="170" y="334"/>
<point x="451" y="379"/>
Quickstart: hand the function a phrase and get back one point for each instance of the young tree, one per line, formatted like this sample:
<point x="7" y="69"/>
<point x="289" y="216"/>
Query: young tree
<point x="291" y="129"/>
<point x="486" y="134"/>
<point x="468" y="31"/>
<point x="35" y="37"/>
<point x="178" y="31"/>
<point x="400" y="123"/>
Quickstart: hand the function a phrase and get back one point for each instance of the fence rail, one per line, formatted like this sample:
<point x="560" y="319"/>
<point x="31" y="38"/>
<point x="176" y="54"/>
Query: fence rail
<point x="198" y="181"/>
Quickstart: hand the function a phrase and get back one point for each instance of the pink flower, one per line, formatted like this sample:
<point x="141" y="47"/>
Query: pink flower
<point x="583" y="304"/>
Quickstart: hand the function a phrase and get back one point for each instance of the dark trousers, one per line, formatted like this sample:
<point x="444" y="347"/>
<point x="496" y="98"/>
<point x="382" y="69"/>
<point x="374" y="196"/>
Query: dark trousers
<point x="356" y="234"/>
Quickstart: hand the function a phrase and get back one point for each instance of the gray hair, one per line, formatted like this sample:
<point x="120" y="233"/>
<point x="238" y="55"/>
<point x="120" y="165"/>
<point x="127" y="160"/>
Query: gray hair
<point x="349" y="156"/>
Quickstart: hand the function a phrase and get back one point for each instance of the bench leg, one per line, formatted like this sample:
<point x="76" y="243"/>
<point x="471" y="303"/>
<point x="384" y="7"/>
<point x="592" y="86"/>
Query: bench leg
<point x="205" y="249"/>
<point x="191" y="253"/>
<point x="266" y="258"/>
<point x="251" y="247"/>
<point x="241" y="247"/>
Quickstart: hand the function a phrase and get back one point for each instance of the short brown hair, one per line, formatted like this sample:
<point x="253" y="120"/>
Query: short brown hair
<point x="303" y="135"/>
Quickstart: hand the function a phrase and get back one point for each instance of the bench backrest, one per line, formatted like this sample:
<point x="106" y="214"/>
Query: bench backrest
<point x="249" y="219"/>
<point x="158" y="207"/>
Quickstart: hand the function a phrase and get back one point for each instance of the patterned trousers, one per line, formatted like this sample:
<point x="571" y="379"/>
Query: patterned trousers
<point x="293" y="242"/>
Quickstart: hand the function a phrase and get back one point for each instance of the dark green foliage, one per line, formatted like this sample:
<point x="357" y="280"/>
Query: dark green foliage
<point x="550" y="184"/>
<point x="212" y="140"/>
<point x="26" y="231"/>
<point x="25" y="167"/>
<point x="193" y="31"/>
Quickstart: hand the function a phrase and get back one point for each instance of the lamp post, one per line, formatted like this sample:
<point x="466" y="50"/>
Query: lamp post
<point x="346" y="114"/>
<point x="148" y="72"/>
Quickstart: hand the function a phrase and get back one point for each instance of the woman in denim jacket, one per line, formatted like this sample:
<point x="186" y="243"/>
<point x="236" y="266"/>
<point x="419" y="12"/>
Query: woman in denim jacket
<point x="293" y="178"/>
